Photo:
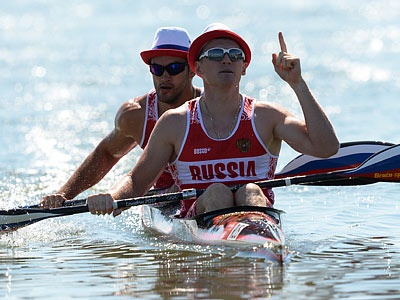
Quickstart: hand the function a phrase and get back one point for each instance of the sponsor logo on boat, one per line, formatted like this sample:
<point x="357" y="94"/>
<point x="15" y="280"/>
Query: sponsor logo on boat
<point x="235" y="231"/>
<point x="387" y="175"/>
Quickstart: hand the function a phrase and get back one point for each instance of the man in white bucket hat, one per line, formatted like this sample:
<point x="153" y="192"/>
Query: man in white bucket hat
<point x="135" y="119"/>
<point x="224" y="138"/>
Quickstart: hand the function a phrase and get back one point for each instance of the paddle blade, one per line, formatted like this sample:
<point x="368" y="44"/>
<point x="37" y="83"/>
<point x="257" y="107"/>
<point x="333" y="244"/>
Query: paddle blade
<point x="349" y="156"/>
<point x="17" y="218"/>
<point x="384" y="166"/>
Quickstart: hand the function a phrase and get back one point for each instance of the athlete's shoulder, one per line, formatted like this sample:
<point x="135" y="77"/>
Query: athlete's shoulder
<point x="267" y="105"/>
<point x="134" y="104"/>
<point x="131" y="113"/>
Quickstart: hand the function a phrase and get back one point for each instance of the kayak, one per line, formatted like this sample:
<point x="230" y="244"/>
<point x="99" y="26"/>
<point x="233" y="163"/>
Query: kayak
<point x="250" y="229"/>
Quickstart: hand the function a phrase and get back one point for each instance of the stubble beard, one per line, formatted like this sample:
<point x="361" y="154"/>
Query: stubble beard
<point x="172" y="98"/>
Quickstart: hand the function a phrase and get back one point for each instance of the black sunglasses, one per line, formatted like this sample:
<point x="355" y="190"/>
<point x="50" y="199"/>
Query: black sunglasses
<point x="172" y="69"/>
<point x="217" y="54"/>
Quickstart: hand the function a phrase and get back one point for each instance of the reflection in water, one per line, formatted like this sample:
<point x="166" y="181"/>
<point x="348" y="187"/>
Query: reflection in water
<point x="204" y="273"/>
<point x="144" y="265"/>
<point x="125" y="269"/>
<point x="212" y="276"/>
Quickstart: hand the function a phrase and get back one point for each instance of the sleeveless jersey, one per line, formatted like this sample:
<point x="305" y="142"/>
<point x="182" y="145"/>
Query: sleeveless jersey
<point x="165" y="180"/>
<point x="240" y="158"/>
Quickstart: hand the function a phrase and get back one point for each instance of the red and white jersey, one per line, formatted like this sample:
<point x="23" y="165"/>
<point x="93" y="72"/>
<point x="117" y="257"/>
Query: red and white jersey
<point x="165" y="180"/>
<point x="240" y="158"/>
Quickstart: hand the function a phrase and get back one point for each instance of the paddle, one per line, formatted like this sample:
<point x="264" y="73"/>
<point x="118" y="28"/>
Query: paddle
<point x="16" y="218"/>
<point x="383" y="166"/>
<point x="350" y="155"/>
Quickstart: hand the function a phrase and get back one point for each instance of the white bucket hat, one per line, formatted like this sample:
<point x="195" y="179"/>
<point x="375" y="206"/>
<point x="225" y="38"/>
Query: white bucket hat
<point x="168" y="41"/>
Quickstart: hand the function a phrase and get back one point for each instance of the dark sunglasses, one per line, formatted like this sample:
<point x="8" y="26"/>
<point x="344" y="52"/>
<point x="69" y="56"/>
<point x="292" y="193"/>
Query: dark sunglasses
<point x="172" y="69"/>
<point x="217" y="54"/>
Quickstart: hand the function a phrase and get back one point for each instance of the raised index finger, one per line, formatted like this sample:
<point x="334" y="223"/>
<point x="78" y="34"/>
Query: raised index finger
<point x="282" y="42"/>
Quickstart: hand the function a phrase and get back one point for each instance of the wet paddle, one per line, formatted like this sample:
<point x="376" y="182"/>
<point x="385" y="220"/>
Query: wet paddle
<point x="383" y="166"/>
<point x="17" y="218"/>
<point x="350" y="155"/>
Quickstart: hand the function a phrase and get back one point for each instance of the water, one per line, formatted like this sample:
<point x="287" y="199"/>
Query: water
<point x="67" y="66"/>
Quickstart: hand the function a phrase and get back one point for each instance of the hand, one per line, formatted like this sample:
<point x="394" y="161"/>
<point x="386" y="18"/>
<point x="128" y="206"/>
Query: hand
<point x="102" y="204"/>
<point x="52" y="201"/>
<point x="286" y="65"/>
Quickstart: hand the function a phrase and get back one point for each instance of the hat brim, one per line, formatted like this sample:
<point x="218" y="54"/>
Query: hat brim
<point x="201" y="40"/>
<point x="149" y="54"/>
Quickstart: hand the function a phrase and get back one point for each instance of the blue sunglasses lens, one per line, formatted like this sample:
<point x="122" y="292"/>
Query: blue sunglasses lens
<point x="172" y="69"/>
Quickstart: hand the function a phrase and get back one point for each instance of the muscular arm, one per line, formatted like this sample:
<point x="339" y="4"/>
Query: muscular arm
<point x="316" y="135"/>
<point x="166" y="137"/>
<point x="123" y="138"/>
<point x="164" y="141"/>
<point x="98" y="163"/>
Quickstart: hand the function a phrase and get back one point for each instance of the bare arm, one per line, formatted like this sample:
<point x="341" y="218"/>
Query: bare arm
<point x="316" y="135"/>
<point x="122" y="139"/>
<point x="161" y="149"/>
<point x="97" y="164"/>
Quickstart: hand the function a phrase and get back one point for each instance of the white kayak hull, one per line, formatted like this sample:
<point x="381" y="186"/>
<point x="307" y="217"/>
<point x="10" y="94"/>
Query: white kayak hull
<point x="245" y="228"/>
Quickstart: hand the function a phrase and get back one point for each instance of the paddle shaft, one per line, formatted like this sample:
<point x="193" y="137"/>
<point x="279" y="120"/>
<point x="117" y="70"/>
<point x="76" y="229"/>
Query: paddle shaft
<point x="350" y="155"/>
<point x="386" y="163"/>
<point x="192" y="193"/>
<point x="382" y="166"/>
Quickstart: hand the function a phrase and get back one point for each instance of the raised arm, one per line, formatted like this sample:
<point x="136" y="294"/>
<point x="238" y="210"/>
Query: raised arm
<point x="316" y="135"/>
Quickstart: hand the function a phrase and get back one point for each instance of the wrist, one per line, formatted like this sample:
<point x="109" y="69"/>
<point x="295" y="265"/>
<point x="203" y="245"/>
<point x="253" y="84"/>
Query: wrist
<point x="64" y="195"/>
<point x="299" y="85"/>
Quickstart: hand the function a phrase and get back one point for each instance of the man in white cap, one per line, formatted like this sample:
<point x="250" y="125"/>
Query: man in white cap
<point x="136" y="118"/>
<point x="224" y="138"/>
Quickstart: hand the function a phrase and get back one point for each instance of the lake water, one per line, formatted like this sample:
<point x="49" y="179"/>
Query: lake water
<point x="66" y="66"/>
